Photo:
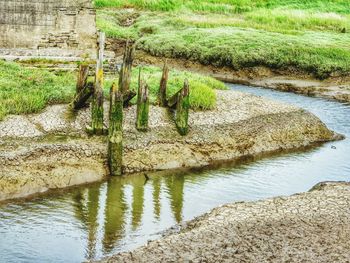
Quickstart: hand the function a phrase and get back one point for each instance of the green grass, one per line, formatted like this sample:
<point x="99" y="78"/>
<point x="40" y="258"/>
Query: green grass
<point x="313" y="36"/>
<point x="229" y="6"/>
<point x="24" y="90"/>
<point x="28" y="90"/>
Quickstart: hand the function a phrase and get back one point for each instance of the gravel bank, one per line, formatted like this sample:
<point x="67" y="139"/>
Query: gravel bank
<point x="308" y="227"/>
<point x="51" y="150"/>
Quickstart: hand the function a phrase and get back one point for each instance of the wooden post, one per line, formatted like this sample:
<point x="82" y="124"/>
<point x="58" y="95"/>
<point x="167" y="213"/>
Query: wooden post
<point x="82" y="77"/>
<point x="182" y="109"/>
<point x="163" y="86"/>
<point x="82" y="97"/>
<point x="97" y="104"/>
<point x="115" y="131"/>
<point x="125" y="71"/>
<point x="142" y="106"/>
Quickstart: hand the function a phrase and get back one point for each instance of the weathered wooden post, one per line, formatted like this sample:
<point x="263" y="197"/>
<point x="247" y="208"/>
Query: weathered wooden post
<point x="125" y="71"/>
<point x="84" y="90"/>
<point x="163" y="86"/>
<point x="82" y="97"/>
<point x="142" y="106"/>
<point x="182" y="109"/>
<point x="115" y="131"/>
<point x="82" y="77"/>
<point x="97" y="103"/>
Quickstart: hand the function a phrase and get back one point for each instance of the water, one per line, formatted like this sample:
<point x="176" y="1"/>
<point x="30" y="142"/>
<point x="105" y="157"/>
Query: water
<point x="106" y="218"/>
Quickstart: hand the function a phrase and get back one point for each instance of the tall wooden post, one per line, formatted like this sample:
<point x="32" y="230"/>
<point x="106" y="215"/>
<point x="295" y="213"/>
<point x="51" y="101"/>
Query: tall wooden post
<point x="115" y="131"/>
<point x="182" y="109"/>
<point x="142" y="106"/>
<point x="125" y="71"/>
<point x="163" y="86"/>
<point x="97" y="103"/>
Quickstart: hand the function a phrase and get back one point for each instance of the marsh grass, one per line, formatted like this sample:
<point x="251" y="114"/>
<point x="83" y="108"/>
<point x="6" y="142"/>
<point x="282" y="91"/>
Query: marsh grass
<point x="312" y="36"/>
<point x="24" y="90"/>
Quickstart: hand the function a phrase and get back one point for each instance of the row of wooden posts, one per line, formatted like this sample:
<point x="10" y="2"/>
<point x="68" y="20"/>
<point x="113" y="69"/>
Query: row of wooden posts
<point x="120" y="96"/>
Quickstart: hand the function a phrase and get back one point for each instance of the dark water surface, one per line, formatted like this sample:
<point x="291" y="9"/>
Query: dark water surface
<point x="105" y="218"/>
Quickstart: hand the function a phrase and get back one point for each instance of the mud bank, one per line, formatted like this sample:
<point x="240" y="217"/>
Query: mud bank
<point x="51" y="150"/>
<point x="291" y="80"/>
<point x="307" y="227"/>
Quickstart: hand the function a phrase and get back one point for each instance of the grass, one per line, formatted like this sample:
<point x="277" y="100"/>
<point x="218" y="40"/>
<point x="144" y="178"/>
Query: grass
<point x="30" y="90"/>
<point x="313" y="36"/>
<point x="229" y="6"/>
<point x="24" y="90"/>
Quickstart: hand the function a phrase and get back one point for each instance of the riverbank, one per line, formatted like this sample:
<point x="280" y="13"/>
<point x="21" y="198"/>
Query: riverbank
<point x="288" y="79"/>
<point x="51" y="150"/>
<point x="307" y="227"/>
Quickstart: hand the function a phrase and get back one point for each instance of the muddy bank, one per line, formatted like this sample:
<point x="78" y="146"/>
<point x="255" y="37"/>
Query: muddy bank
<point x="336" y="87"/>
<point x="51" y="150"/>
<point x="307" y="227"/>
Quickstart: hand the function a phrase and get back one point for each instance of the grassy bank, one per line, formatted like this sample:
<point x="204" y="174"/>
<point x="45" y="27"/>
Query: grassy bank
<point x="313" y="36"/>
<point x="24" y="90"/>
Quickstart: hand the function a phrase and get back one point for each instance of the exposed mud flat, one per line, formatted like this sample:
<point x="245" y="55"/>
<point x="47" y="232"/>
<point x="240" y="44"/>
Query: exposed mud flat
<point x="335" y="87"/>
<point x="51" y="150"/>
<point x="307" y="227"/>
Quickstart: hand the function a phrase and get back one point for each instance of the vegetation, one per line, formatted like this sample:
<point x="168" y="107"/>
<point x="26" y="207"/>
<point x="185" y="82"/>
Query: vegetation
<point x="24" y="90"/>
<point x="30" y="90"/>
<point x="313" y="36"/>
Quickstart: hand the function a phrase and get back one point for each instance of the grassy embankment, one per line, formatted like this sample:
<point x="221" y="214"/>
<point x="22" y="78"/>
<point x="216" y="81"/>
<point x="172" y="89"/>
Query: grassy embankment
<point x="24" y="90"/>
<point x="311" y="36"/>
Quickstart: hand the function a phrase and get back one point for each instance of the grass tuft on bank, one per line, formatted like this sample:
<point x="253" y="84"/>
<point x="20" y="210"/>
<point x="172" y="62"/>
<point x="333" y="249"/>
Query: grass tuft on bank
<point x="24" y="90"/>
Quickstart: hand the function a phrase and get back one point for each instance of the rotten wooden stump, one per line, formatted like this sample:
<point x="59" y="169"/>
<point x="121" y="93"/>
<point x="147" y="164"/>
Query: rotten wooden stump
<point x="83" y="96"/>
<point x="163" y="86"/>
<point x="82" y="78"/>
<point x="97" y="104"/>
<point x="142" y="106"/>
<point x="115" y="132"/>
<point x="182" y="109"/>
<point x="125" y="71"/>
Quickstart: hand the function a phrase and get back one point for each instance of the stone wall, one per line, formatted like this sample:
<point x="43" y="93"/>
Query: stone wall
<point x="47" y="24"/>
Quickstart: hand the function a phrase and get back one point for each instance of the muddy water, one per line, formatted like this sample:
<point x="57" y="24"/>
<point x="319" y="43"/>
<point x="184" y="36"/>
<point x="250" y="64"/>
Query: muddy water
<point x="102" y="219"/>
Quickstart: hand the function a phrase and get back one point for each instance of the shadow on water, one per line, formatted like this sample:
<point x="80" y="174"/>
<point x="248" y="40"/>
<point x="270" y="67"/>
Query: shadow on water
<point x="101" y="219"/>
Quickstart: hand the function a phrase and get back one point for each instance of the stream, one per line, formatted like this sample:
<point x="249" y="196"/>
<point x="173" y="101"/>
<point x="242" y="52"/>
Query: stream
<point x="91" y="222"/>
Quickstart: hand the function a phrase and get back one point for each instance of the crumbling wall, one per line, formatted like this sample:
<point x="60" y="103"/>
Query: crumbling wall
<point x="47" y="24"/>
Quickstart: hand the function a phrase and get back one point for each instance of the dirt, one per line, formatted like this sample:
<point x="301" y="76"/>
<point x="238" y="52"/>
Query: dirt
<point x="307" y="227"/>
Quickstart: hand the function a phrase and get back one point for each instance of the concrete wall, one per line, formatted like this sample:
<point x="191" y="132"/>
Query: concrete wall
<point x="47" y="24"/>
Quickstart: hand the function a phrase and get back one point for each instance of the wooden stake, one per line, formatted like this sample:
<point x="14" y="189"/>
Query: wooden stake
<point x="82" y="78"/>
<point x="182" y="109"/>
<point x="163" y="86"/>
<point x="125" y="71"/>
<point x="82" y="97"/>
<point x="97" y="104"/>
<point x="115" y="131"/>
<point x="142" y="106"/>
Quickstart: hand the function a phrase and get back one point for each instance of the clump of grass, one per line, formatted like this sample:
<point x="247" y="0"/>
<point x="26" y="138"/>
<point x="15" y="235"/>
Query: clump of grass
<point x="24" y="90"/>
<point x="30" y="90"/>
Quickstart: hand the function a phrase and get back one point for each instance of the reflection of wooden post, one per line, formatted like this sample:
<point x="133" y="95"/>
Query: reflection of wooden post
<point x="115" y="137"/>
<point x="182" y="109"/>
<point x="125" y="71"/>
<point x="142" y="106"/>
<point x="82" y="78"/>
<point x="163" y="86"/>
<point x="97" y="104"/>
